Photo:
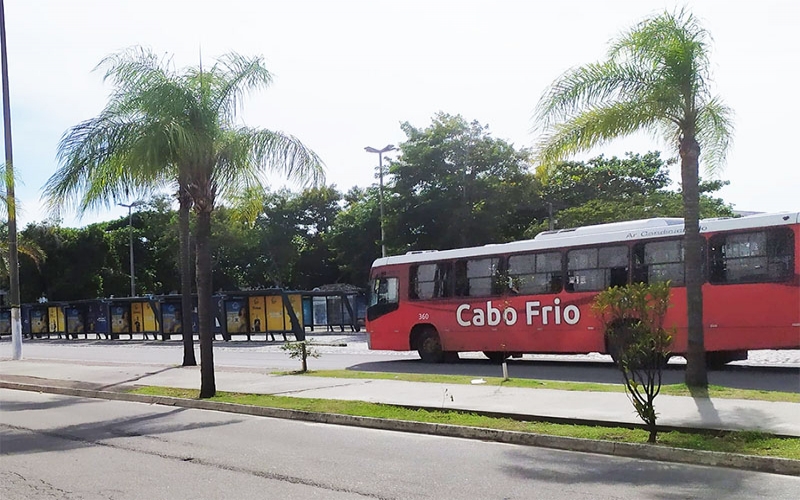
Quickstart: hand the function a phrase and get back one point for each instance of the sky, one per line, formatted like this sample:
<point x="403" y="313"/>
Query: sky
<point x="347" y="73"/>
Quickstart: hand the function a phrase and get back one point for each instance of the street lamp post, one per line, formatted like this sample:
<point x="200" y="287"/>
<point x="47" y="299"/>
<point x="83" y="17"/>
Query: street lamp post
<point x="130" y="240"/>
<point x="380" y="152"/>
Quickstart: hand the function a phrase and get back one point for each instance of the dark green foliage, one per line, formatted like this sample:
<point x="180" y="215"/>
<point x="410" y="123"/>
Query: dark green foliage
<point x="454" y="185"/>
<point x="604" y="190"/>
<point x="633" y="317"/>
<point x="354" y="238"/>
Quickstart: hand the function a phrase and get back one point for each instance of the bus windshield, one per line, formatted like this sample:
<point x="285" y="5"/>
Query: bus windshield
<point x="383" y="290"/>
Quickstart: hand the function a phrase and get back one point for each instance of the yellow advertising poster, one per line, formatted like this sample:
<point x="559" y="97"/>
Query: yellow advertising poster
<point x="278" y="317"/>
<point x="297" y="306"/>
<point x="275" y="313"/>
<point x="137" y="321"/>
<point x="258" y="314"/>
<point x="149" y="318"/>
<point x="56" y="317"/>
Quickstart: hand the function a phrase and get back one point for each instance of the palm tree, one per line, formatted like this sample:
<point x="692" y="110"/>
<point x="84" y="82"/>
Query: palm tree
<point x="656" y="78"/>
<point x="167" y="127"/>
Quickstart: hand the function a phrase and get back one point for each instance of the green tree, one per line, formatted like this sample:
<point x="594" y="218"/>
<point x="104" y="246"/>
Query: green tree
<point x="354" y="238"/>
<point x="456" y="186"/>
<point x="656" y="79"/>
<point x="603" y="190"/>
<point x="27" y="248"/>
<point x="81" y="263"/>
<point x="568" y="184"/>
<point x="177" y="127"/>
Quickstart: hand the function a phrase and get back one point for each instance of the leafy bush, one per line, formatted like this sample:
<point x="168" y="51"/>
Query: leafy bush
<point x="302" y="351"/>
<point x="633" y="317"/>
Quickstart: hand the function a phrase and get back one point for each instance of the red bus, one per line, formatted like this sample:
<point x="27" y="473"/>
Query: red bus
<point x="535" y="296"/>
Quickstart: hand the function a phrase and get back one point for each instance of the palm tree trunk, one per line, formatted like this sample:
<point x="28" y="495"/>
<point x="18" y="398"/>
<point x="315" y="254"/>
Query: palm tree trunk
<point x="205" y="318"/>
<point x="696" y="375"/>
<point x="185" y="202"/>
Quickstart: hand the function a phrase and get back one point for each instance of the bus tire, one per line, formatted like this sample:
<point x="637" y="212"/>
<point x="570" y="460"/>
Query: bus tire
<point x="430" y="346"/>
<point x="497" y="357"/>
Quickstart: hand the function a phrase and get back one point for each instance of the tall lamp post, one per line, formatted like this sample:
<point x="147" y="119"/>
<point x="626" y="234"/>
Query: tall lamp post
<point x="130" y="240"/>
<point x="380" y="152"/>
<point x="13" y="259"/>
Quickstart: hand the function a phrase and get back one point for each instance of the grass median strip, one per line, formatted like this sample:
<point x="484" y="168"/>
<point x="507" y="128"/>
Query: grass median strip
<point x="750" y="443"/>
<point x="714" y="391"/>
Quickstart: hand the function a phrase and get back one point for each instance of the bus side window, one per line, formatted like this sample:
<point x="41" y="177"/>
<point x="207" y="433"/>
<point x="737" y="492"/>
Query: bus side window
<point x="477" y="277"/>
<point x="592" y="269"/>
<point x="758" y="256"/>
<point x="535" y="273"/>
<point x="656" y="261"/>
<point x="428" y="281"/>
<point x="461" y="281"/>
<point x="639" y="265"/>
<point x="413" y="282"/>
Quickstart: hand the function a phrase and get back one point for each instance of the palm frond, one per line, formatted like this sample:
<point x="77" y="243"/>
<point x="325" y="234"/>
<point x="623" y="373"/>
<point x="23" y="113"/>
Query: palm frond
<point x="285" y="154"/>
<point x="237" y="76"/>
<point x="714" y="133"/>
<point x="660" y="67"/>
<point x="589" y="85"/>
<point x="592" y="128"/>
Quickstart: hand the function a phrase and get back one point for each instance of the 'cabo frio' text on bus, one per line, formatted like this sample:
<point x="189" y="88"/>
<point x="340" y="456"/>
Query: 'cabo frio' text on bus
<point x="534" y="312"/>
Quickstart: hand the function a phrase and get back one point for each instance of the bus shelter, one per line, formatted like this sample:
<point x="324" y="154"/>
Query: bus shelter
<point x="134" y="316"/>
<point x="268" y="312"/>
<point x="331" y="310"/>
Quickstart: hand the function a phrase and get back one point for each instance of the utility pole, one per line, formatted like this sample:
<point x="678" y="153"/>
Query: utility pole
<point x="13" y="255"/>
<point x="130" y="241"/>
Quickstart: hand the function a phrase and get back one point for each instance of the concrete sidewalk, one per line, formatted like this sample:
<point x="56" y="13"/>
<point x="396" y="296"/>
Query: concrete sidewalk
<point x="723" y="414"/>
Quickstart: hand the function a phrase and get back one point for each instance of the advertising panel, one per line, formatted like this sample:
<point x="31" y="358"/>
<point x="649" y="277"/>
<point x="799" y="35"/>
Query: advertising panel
<point x="55" y="315"/>
<point x="258" y="314"/>
<point x="96" y="318"/>
<point x="120" y="318"/>
<point x="137" y="321"/>
<point x="297" y="306"/>
<point x="75" y="320"/>
<point x="236" y="315"/>
<point x="320" y="307"/>
<point x="275" y="315"/>
<point x="334" y="310"/>
<point x="39" y="320"/>
<point x="5" y="322"/>
<point x="171" y="316"/>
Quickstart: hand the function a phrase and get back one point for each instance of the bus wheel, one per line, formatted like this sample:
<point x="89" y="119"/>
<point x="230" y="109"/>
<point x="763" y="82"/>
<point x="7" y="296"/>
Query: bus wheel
<point x="497" y="357"/>
<point x="430" y="347"/>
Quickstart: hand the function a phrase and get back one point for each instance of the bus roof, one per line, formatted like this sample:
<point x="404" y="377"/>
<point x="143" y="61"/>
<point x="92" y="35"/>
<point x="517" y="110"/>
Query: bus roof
<point x="601" y="233"/>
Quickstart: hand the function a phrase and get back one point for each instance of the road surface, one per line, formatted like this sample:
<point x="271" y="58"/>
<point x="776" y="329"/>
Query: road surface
<point x="72" y="448"/>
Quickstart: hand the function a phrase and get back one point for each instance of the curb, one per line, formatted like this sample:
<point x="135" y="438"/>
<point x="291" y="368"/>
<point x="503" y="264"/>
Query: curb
<point x="631" y="450"/>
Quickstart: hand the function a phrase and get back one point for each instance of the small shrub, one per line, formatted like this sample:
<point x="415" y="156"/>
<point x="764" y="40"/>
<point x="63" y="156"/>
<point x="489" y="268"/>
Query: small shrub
<point x="633" y="317"/>
<point x="302" y="351"/>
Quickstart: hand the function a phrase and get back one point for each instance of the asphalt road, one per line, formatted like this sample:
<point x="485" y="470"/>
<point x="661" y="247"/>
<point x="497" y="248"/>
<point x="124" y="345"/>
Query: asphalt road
<point x="770" y="370"/>
<point x="73" y="448"/>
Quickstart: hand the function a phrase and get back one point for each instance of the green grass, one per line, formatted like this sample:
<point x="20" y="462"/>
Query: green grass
<point x="750" y="443"/>
<point x="672" y="390"/>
